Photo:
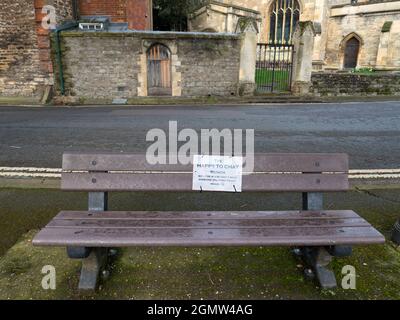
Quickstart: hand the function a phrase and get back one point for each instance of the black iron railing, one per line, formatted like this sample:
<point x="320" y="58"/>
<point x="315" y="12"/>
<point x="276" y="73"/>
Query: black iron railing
<point x="274" y="67"/>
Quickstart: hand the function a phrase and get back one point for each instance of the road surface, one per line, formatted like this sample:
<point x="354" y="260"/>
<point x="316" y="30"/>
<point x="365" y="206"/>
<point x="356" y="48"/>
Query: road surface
<point x="369" y="131"/>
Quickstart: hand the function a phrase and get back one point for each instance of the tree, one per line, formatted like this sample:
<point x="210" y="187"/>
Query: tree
<point x="171" y="15"/>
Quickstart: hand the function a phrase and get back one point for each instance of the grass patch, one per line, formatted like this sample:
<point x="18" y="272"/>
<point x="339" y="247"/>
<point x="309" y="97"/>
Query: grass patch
<point x="363" y="71"/>
<point x="199" y="273"/>
<point x="279" y="78"/>
<point x="16" y="265"/>
<point x="19" y="101"/>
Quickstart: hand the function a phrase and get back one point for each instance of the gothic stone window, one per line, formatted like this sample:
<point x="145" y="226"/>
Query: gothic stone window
<point x="284" y="16"/>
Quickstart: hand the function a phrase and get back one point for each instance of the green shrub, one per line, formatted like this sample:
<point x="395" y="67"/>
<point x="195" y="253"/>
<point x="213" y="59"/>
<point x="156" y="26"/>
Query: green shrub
<point x="363" y="70"/>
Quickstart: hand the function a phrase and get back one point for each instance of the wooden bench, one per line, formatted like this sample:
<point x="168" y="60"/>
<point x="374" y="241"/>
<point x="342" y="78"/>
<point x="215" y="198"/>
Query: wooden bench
<point x="317" y="234"/>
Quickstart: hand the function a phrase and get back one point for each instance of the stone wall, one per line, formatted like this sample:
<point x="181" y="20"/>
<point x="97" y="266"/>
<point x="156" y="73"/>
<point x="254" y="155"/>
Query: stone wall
<point x="209" y="67"/>
<point x="338" y="84"/>
<point x="19" y="59"/>
<point x="100" y="67"/>
<point x="25" y="66"/>
<point x="64" y="9"/>
<point x="113" y="65"/>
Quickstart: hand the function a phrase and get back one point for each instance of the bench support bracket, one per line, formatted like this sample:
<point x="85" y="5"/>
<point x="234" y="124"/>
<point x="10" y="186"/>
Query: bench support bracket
<point x="91" y="268"/>
<point x="318" y="258"/>
<point x="396" y="233"/>
<point x="95" y="263"/>
<point x="312" y="201"/>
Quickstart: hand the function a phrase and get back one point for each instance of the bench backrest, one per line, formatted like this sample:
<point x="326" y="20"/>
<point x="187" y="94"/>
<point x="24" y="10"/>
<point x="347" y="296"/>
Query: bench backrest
<point x="298" y="172"/>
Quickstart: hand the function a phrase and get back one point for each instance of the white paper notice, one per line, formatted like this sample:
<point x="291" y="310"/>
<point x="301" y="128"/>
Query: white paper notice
<point x="217" y="173"/>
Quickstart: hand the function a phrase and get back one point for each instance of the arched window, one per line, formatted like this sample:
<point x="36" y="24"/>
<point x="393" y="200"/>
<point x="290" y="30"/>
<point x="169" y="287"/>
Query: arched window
<point x="159" y="71"/>
<point x="284" y="16"/>
<point x="351" y="51"/>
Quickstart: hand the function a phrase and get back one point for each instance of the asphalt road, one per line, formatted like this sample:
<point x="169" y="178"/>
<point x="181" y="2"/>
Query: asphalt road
<point x="369" y="131"/>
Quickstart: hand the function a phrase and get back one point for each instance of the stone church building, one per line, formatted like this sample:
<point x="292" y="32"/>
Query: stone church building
<point x="349" y="33"/>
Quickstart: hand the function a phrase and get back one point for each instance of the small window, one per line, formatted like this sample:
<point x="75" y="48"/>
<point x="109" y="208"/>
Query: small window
<point x="91" y="26"/>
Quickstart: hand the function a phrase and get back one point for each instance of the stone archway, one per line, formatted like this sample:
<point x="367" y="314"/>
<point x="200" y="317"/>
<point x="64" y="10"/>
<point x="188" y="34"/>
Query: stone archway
<point x="350" y="50"/>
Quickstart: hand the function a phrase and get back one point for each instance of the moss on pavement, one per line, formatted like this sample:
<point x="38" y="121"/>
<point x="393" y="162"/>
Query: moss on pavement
<point x="197" y="273"/>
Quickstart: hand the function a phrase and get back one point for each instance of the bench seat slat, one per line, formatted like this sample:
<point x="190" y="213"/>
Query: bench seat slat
<point x="201" y="215"/>
<point x="270" y="162"/>
<point x="220" y="223"/>
<point x="201" y="237"/>
<point x="232" y="232"/>
<point x="183" y="182"/>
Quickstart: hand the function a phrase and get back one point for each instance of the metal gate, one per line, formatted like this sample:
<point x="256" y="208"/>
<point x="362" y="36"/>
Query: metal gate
<point x="159" y="71"/>
<point x="274" y="67"/>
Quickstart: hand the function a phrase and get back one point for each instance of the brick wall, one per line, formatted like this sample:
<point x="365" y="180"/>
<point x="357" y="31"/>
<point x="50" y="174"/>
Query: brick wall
<point x="338" y="84"/>
<point x="64" y="12"/>
<point x="138" y="13"/>
<point x="114" y="65"/>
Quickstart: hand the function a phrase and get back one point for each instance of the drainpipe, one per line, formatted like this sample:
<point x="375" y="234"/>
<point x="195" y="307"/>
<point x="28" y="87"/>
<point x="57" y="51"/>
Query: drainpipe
<point x="66" y="26"/>
<point x="75" y="10"/>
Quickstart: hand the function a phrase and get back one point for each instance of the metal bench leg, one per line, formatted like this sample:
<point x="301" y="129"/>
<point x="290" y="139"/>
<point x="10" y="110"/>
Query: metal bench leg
<point x="78" y="252"/>
<point x="340" y="251"/>
<point x="313" y="201"/>
<point x="396" y="233"/>
<point x="92" y="267"/>
<point x="318" y="259"/>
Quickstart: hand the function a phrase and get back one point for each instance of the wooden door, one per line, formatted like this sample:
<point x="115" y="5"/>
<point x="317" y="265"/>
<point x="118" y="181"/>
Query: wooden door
<point x="351" y="53"/>
<point x="159" y="71"/>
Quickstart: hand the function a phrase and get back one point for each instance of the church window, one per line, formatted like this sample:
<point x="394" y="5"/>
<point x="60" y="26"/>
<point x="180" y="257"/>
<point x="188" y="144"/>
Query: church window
<point x="283" y="19"/>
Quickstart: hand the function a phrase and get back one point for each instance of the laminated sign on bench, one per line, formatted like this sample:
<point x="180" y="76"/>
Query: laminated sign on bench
<point x="217" y="173"/>
<point x="318" y="234"/>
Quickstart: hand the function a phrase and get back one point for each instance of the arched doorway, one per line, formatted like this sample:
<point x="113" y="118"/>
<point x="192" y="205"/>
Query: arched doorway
<point x="159" y="71"/>
<point x="283" y="19"/>
<point x="351" y="50"/>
